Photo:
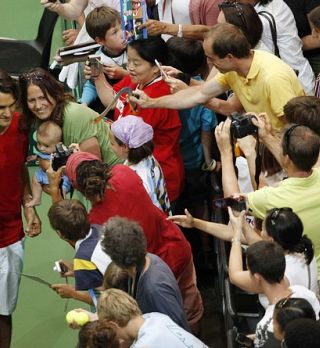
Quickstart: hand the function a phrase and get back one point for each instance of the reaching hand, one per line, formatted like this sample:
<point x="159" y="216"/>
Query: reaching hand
<point x="176" y="85"/>
<point x="183" y="220"/>
<point x="54" y="177"/>
<point x="154" y="27"/>
<point x="64" y="290"/>
<point x="236" y="221"/>
<point x="223" y="137"/>
<point x="141" y="98"/>
<point x="114" y="71"/>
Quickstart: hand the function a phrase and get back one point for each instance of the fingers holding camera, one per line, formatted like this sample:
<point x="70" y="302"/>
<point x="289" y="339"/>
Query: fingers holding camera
<point x="264" y="125"/>
<point x="236" y="220"/>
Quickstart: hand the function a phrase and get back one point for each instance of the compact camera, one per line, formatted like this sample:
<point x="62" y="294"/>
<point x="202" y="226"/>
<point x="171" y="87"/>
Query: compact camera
<point x="241" y="125"/>
<point x="60" y="157"/>
<point x="235" y="203"/>
<point x="95" y="65"/>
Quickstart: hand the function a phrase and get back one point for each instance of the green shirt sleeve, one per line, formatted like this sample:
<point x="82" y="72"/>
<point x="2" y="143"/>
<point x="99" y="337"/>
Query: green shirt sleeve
<point x="78" y="126"/>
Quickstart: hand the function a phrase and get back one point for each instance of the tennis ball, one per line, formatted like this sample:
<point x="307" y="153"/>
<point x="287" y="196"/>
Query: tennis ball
<point x="80" y="318"/>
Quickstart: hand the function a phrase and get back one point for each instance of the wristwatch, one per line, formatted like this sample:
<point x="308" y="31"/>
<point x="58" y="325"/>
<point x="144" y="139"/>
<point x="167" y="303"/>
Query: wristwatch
<point x="180" y="32"/>
<point x="235" y="239"/>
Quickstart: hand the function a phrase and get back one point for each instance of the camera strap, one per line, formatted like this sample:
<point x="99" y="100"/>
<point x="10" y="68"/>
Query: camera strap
<point x="258" y="162"/>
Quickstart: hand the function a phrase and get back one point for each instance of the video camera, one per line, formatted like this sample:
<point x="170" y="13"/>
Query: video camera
<point x="241" y="125"/>
<point x="60" y="157"/>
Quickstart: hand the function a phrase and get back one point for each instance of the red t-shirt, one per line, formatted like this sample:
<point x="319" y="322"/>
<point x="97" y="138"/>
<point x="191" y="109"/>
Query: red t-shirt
<point x="166" y="126"/>
<point x="13" y="151"/>
<point x="128" y="198"/>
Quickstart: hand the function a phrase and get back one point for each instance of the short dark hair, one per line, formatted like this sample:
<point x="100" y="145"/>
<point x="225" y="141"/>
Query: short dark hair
<point x="8" y="85"/>
<point x="228" y="39"/>
<point x="154" y="47"/>
<point x="288" y="309"/>
<point x="245" y="17"/>
<point x="70" y="218"/>
<point x="138" y="154"/>
<point x="186" y="55"/>
<point x="124" y="241"/>
<point x="286" y="228"/>
<point x="267" y="259"/>
<point x="304" y="110"/>
<point x="98" y="334"/>
<point x="302" y="333"/>
<point x="100" y="20"/>
<point x="314" y="16"/>
<point x="302" y="145"/>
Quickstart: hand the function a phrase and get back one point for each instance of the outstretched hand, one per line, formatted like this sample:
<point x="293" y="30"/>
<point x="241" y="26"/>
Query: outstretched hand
<point x="141" y="98"/>
<point x="236" y="221"/>
<point x="186" y="221"/>
<point x="223" y="137"/>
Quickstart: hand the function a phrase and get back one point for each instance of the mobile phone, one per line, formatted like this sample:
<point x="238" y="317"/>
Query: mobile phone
<point x="243" y="340"/>
<point x="95" y="65"/>
<point x="163" y="73"/>
<point x="60" y="267"/>
<point x="237" y="204"/>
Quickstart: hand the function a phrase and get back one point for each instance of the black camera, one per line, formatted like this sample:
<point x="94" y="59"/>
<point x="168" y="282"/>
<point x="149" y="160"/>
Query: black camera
<point x="237" y="204"/>
<point x="60" y="157"/>
<point x="241" y="125"/>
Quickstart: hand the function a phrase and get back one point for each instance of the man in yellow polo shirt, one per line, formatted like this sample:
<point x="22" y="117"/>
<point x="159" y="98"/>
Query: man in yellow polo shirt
<point x="298" y="153"/>
<point x="261" y="81"/>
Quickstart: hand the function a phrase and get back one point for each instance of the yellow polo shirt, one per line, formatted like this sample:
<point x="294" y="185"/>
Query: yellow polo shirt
<point x="302" y="195"/>
<point x="269" y="85"/>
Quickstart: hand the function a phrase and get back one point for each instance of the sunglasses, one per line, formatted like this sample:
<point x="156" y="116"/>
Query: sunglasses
<point x="238" y="8"/>
<point x="33" y="76"/>
<point x="275" y="214"/>
<point x="287" y="135"/>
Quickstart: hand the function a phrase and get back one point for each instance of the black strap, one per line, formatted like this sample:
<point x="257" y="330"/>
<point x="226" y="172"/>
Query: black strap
<point x="258" y="163"/>
<point x="273" y="28"/>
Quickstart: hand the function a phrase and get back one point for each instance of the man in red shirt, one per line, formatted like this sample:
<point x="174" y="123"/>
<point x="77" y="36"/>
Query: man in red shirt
<point x="14" y="192"/>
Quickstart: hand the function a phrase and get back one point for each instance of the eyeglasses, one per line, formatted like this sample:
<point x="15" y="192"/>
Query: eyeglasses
<point x="237" y="6"/>
<point x="36" y="75"/>
<point x="275" y="214"/>
<point x="286" y="136"/>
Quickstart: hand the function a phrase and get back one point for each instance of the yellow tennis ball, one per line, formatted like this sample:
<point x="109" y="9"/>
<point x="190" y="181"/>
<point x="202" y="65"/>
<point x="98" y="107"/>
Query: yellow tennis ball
<point x="78" y="317"/>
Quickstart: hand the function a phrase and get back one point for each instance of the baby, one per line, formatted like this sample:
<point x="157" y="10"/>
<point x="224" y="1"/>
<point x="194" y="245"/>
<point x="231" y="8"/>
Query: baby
<point x="49" y="134"/>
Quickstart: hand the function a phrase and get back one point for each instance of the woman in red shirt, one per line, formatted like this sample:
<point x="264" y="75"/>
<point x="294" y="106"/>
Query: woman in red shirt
<point x="145" y="75"/>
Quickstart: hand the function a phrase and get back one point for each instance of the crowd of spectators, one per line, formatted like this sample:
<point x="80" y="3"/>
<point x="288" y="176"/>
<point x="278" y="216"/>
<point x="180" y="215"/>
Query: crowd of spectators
<point x="128" y="186"/>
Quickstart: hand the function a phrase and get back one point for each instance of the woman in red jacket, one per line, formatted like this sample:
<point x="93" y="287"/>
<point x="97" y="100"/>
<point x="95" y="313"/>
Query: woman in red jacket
<point x="145" y="75"/>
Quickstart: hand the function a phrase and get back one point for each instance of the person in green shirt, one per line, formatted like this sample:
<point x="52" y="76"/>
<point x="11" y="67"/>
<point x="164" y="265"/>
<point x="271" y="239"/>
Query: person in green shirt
<point x="43" y="98"/>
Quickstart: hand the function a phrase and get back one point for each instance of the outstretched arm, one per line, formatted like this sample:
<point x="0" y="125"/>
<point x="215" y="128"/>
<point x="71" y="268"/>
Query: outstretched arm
<point x="186" y="98"/>
<point x="229" y="179"/>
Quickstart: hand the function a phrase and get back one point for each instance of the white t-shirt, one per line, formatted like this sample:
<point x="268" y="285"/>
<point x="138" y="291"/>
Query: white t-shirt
<point x="289" y="43"/>
<point x="265" y="325"/>
<point x="297" y="274"/>
<point x="159" y="331"/>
